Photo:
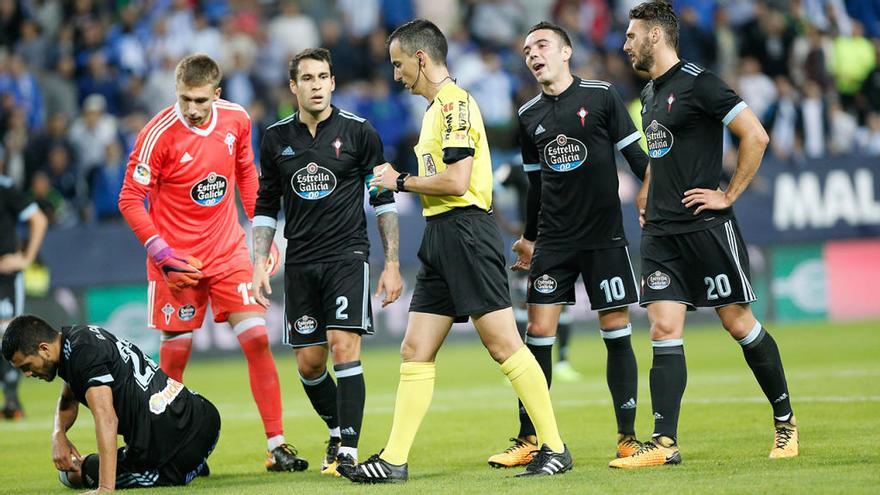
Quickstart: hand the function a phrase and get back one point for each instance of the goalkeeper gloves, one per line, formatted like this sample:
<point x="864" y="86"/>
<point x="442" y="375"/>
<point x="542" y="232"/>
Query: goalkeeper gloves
<point x="179" y="270"/>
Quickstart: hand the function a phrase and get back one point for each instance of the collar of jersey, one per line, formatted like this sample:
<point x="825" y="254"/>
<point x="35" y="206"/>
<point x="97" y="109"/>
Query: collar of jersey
<point x="575" y="83"/>
<point x="668" y="74"/>
<point x="443" y="92"/>
<point x="201" y="132"/>
<point x="298" y="122"/>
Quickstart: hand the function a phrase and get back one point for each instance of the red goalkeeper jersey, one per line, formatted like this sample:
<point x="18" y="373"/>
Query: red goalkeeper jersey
<point x="188" y="177"/>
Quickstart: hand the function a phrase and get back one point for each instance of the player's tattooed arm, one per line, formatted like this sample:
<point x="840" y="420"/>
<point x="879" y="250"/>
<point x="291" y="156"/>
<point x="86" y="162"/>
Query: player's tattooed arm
<point x="389" y="232"/>
<point x="263" y="237"/>
<point x="390" y="281"/>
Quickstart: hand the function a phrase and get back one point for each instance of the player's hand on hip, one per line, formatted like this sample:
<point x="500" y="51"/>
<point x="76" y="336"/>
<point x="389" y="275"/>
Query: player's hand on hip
<point x="706" y="199"/>
<point x="384" y="177"/>
<point x="392" y="283"/>
<point x="180" y="270"/>
<point x="523" y="249"/>
<point x="11" y="263"/>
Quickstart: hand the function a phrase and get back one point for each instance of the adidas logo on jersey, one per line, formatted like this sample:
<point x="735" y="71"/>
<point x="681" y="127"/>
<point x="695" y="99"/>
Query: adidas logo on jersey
<point x="630" y="404"/>
<point x="186" y="157"/>
<point x="539" y="130"/>
<point x="288" y="151"/>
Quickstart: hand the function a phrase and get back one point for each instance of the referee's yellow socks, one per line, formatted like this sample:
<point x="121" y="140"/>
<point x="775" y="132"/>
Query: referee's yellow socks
<point x="413" y="398"/>
<point x="530" y="384"/>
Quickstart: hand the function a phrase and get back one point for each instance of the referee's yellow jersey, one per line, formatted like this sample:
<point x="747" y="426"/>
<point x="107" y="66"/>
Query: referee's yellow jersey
<point x="452" y="129"/>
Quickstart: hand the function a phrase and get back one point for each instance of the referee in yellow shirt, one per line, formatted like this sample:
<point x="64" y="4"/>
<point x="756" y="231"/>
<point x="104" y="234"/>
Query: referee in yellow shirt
<point x="463" y="267"/>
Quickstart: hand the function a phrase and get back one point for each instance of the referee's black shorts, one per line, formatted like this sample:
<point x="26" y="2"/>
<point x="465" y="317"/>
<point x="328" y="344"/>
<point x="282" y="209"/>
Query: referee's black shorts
<point x="463" y="269"/>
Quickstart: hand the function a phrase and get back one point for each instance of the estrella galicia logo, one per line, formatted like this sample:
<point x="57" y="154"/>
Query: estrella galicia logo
<point x="313" y="182"/>
<point x="658" y="280"/>
<point x="565" y="154"/>
<point x="545" y="284"/>
<point x="210" y="190"/>
<point x="659" y="139"/>
<point x="186" y="312"/>
<point x="305" y="325"/>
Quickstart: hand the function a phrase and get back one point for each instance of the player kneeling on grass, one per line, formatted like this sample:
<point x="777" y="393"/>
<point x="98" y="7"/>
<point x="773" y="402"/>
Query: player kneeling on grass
<point x="169" y="431"/>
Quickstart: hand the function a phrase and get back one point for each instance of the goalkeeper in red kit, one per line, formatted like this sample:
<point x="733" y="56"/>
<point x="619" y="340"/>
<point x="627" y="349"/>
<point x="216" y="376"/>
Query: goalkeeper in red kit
<point x="187" y="163"/>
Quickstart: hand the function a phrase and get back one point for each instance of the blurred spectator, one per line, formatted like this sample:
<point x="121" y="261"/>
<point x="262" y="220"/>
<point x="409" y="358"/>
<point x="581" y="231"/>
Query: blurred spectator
<point x="32" y="46"/>
<point x="107" y="183"/>
<point x="695" y="43"/>
<point x="91" y="134"/>
<point x="350" y="60"/>
<point x="158" y="90"/>
<point x="37" y="151"/>
<point x="726" y="53"/>
<point x="361" y="17"/>
<point x="49" y="14"/>
<point x="47" y="197"/>
<point x="235" y="41"/>
<point x="59" y="88"/>
<point x="854" y="59"/>
<point x="842" y="129"/>
<point x="495" y="22"/>
<point x="127" y="50"/>
<point x="492" y="87"/>
<point x="768" y="37"/>
<point x="756" y="88"/>
<point x="383" y="109"/>
<point x="11" y="18"/>
<point x="14" y="141"/>
<point x="783" y="122"/>
<point x="101" y="79"/>
<point x="206" y="38"/>
<point x="237" y="83"/>
<point x="869" y="137"/>
<point x="19" y="82"/>
<point x="292" y="31"/>
<point x="63" y="174"/>
<point x="165" y="44"/>
<point x="396" y="12"/>
<point x="811" y="57"/>
<point x="815" y="121"/>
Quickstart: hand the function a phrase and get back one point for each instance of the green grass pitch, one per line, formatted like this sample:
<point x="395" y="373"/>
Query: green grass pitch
<point x="725" y="434"/>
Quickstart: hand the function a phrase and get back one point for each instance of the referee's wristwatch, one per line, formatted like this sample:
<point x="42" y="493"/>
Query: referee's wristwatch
<point x="401" y="187"/>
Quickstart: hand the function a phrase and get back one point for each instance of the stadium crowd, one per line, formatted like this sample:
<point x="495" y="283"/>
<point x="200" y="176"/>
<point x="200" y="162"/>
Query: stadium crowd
<point x="80" y="78"/>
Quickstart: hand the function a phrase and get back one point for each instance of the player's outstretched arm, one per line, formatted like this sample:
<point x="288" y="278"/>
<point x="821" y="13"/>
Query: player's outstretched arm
<point x="100" y="401"/>
<point x="390" y="280"/>
<point x="63" y="451"/>
<point x="453" y="181"/>
<point x="753" y="141"/>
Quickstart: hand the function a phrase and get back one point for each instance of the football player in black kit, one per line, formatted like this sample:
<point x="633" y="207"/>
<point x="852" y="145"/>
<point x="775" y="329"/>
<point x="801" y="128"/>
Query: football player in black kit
<point x="169" y="431"/>
<point x="692" y="252"/>
<point x="319" y="161"/>
<point x="574" y="226"/>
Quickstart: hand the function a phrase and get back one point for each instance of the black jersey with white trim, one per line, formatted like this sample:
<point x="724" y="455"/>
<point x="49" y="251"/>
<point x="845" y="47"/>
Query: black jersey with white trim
<point x="157" y="415"/>
<point x="684" y="112"/>
<point x="322" y="180"/>
<point x="570" y="138"/>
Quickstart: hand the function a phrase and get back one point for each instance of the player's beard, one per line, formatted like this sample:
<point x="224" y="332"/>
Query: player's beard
<point x="49" y="370"/>
<point x="644" y="58"/>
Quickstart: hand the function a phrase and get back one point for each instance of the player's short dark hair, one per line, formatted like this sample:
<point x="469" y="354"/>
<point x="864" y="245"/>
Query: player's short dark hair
<point x="25" y="334"/>
<point x="552" y="27"/>
<point x="421" y="34"/>
<point x="658" y="13"/>
<point x="198" y="70"/>
<point x="319" y="54"/>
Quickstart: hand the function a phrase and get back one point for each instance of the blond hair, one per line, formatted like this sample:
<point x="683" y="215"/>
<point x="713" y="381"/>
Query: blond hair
<point x="198" y="70"/>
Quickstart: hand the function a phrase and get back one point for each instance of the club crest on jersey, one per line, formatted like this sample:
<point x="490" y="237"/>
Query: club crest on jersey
<point x="659" y="139"/>
<point x="337" y="145"/>
<point x="141" y="174"/>
<point x="168" y="310"/>
<point x="658" y="280"/>
<point x="230" y="142"/>
<point x="210" y="190"/>
<point x="545" y="284"/>
<point x="313" y="182"/>
<point x="582" y="113"/>
<point x="186" y="312"/>
<point x="564" y="153"/>
<point x="305" y="325"/>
